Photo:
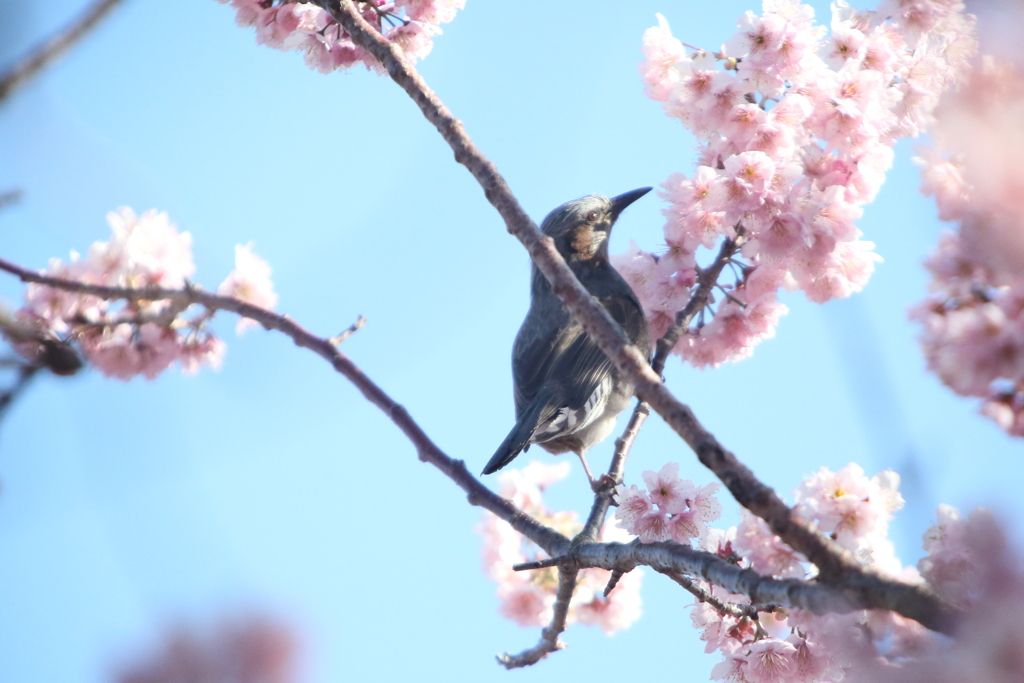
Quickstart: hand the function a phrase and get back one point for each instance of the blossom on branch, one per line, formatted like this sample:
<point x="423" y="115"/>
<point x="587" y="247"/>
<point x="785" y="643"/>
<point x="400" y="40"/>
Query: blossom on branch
<point x="126" y="338"/>
<point x="250" y="282"/>
<point x="254" y="649"/>
<point x="287" y="25"/>
<point x="528" y="597"/>
<point x="972" y="323"/>
<point x="970" y="564"/>
<point x="671" y="508"/>
<point x="796" y="130"/>
<point x="794" y="646"/>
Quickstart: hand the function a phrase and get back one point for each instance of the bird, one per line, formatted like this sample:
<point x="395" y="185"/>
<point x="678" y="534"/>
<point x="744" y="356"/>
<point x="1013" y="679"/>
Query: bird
<point x="567" y="392"/>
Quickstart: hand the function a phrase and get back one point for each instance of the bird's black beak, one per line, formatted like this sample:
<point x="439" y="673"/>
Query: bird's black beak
<point x="620" y="202"/>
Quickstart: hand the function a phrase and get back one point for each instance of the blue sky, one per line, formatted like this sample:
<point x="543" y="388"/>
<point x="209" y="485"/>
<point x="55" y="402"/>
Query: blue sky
<point x="271" y="485"/>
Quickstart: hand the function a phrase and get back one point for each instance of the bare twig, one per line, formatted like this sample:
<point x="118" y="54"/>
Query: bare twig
<point x="835" y="564"/>
<point x="549" y="640"/>
<point x="45" y="53"/>
<point x="349" y="331"/>
<point x="726" y="609"/>
<point x="613" y="581"/>
<point x="539" y="564"/>
<point x="550" y="540"/>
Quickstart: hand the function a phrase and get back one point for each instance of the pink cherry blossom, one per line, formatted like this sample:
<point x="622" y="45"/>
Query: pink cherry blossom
<point x="284" y="25"/>
<point x="765" y="551"/>
<point x="667" y="489"/>
<point x="652" y="526"/>
<point x="671" y="508"/>
<point x="124" y="339"/>
<point x="972" y="324"/>
<point x="620" y="610"/>
<point x="250" y="282"/>
<point x="661" y="52"/>
<point x="632" y="503"/>
<point x="797" y="130"/>
<point x="526" y="605"/>
<point x="849" y="505"/>
<point x="769" y="661"/>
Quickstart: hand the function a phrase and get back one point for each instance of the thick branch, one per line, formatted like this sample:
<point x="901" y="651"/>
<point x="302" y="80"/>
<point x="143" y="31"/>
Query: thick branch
<point x="669" y="558"/>
<point x="835" y="564"/>
<point x="550" y="540"/>
<point x="34" y="62"/>
<point x="549" y="640"/>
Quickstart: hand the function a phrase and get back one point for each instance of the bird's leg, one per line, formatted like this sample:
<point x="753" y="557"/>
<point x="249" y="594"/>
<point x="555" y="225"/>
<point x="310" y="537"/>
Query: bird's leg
<point x="586" y="468"/>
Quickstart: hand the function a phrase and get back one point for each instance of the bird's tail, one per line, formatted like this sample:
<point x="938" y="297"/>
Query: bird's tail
<point x="535" y="415"/>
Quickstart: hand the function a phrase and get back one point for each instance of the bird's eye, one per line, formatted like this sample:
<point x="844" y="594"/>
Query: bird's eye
<point x="592" y="217"/>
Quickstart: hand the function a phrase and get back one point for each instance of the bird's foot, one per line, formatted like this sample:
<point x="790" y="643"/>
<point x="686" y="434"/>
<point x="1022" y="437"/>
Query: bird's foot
<point x="603" y="483"/>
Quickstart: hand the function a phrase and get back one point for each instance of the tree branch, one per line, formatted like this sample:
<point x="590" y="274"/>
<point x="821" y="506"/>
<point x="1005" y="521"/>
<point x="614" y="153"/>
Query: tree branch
<point x="45" y="53"/>
<point x="581" y="553"/>
<point x="726" y="609"/>
<point x="668" y="557"/>
<point x="549" y="640"/>
<point x="550" y="540"/>
<point x="835" y="565"/>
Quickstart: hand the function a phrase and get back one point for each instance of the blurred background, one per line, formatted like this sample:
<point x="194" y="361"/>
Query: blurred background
<point x="270" y="492"/>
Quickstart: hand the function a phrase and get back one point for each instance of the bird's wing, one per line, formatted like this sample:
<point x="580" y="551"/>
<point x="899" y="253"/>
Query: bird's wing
<point x="565" y="359"/>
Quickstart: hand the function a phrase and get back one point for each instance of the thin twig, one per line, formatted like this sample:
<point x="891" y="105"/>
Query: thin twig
<point x="726" y="609"/>
<point x="550" y="540"/>
<point x="349" y="331"/>
<point x="45" y="53"/>
<point x="613" y="581"/>
<point x="836" y="565"/>
<point x="549" y="640"/>
<point x="539" y="564"/>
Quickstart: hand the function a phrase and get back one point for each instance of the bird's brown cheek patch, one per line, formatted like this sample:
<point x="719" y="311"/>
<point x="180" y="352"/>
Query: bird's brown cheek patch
<point x="584" y="242"/>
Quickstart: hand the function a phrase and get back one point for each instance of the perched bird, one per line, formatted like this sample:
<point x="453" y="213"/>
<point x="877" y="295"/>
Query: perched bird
<point x="567" y="392"/>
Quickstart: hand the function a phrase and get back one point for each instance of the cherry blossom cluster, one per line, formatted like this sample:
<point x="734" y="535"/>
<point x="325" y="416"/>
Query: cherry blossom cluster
<point x="796" y="128"/>
<point x="670" y="509"/>
<point x="251" y="649"/>
<point x="528" y="597"/>
<point x="289" y="25"/>
<point x="793" y="645"/>
<point x="973" y="320"/>
<point x="124" y="339"/>
<point x="969" y="564"/>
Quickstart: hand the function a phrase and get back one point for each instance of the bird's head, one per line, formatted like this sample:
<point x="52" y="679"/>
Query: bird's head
<point x="580" y="228"/>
